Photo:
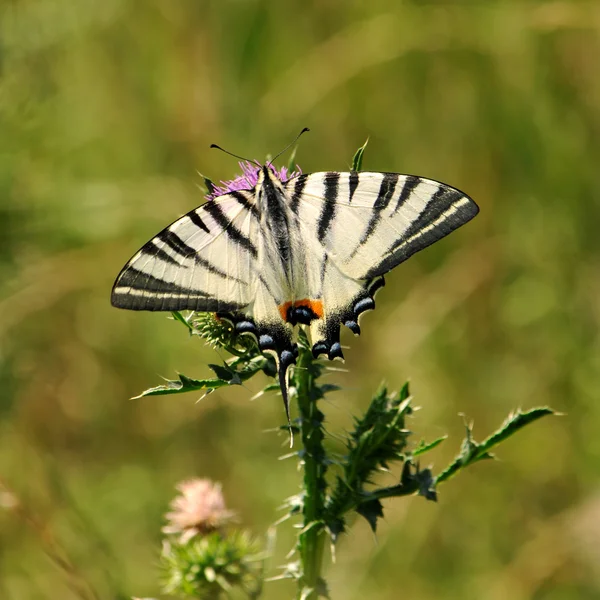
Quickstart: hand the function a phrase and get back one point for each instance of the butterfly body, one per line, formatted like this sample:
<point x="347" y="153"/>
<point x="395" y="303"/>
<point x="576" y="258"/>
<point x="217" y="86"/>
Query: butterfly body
<point x="309" y="251"/>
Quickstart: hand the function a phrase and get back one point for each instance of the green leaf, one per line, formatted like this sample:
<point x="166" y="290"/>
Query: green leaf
<point x="413" y="480"/>
<point x="426" y="484"/>
<point x="513" y="423"/>
<point x="272" y="387"/>
<point x="371" y="511"/>
<point x="177" y="316"/>
<point x="423" y="447"/>
<point x="210" y="186"/>
<point x="231" y="375"/>
<point x="379" y="438"/>
<point x="472" y="452"/>
<point x="184" y="384"/>
<point x="357" y="159"/>
<point x="224" y="372"/>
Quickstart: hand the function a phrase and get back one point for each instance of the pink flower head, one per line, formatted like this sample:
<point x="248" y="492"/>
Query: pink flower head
<point x="199" y="509"/>
<point x="249" y="178"/>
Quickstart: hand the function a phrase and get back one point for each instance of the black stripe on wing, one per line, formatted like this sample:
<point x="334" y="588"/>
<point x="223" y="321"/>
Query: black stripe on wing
<point x="386" y="191"/>
<point x="216" y="212"/>
<point x="410" y="184"/>
<point x="173" y="302"/>
<point x="352" y="184"/>
<point x="446" y="211"/>
<point x="444" y="199"/>
<point x="136" y="290"/>
<point x="138" y="280"/>
<point x="387" y="187"/>
<point x="296" y="194"/>
<point x="175" y="243"/>
<point x="197" y="220"/>
<point x="151" y="250"/>
<point x="245" y="199"/>
<point x="331" y="184"/>
<point x="203" y="262"/>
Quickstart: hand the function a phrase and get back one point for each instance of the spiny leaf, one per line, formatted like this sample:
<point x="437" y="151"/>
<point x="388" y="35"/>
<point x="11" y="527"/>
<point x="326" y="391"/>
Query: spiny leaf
<point x="412" y="481"/>
<point x="513" y="423"/>
<point x="231" y="376"/>
<point x="371" y="511"/>
<point x="424" y="447"/>
<point x="184" y="384"/>
<point x="378" y="439"/>
<point x="472" y="452"/>
<point x="224" y="372"/>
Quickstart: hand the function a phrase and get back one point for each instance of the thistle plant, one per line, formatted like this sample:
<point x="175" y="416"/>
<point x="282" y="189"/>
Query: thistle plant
<point x="202" y="557"/>
<point x="205" y="556"/>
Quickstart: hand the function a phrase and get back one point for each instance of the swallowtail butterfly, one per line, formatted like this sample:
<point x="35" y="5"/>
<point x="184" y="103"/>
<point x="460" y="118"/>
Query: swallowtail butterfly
<point x="309" y="251"/>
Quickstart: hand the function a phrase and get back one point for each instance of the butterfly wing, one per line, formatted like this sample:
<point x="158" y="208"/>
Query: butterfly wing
<point x="360" y="226"/>
<point x="204" y="261"/>
<point x="214" y="259"/>
<point x="346" y="230"/>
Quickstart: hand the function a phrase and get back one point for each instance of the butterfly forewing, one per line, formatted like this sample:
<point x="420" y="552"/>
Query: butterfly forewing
<point x="378" y="220"/>
<point x="204" y="261"/>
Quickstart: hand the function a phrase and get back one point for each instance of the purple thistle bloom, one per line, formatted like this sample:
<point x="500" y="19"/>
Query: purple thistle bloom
<point x="249" y="178"/>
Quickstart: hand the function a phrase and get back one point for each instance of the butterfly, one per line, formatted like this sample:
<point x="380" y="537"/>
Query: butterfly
<point x="310" y="251"/>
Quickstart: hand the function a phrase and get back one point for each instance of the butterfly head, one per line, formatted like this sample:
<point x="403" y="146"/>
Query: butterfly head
<point x="269" y="188"/>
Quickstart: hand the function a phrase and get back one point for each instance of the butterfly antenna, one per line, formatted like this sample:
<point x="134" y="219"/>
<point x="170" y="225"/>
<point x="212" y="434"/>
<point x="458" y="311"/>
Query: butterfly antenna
<point x="250" y="160"/>
<point x="289" y="145"/>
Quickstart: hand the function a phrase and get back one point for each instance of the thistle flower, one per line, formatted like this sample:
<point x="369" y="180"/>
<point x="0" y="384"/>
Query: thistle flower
<point x="200" y="509"/>
<point x="249" y="178"/>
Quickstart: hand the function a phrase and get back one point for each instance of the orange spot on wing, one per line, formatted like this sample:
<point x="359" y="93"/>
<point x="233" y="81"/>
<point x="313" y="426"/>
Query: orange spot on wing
<point x="283" y="309"/>
<point x="315" y="305"/>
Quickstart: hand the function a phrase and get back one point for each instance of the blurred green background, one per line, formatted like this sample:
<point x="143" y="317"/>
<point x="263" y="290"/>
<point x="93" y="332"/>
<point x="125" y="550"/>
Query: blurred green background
<point x="107" y="110"/>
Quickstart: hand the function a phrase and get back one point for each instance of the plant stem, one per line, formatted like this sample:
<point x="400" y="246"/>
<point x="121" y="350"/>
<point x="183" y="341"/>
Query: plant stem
<point x="311" y="541"/>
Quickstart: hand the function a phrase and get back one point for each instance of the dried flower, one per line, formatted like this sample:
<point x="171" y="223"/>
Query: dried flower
<point x="249" y="178"/>
<point x="200" y="509"/>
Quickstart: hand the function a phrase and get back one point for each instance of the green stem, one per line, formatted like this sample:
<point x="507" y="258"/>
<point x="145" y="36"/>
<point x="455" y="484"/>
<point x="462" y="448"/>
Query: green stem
<point x="311" y="540"/>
